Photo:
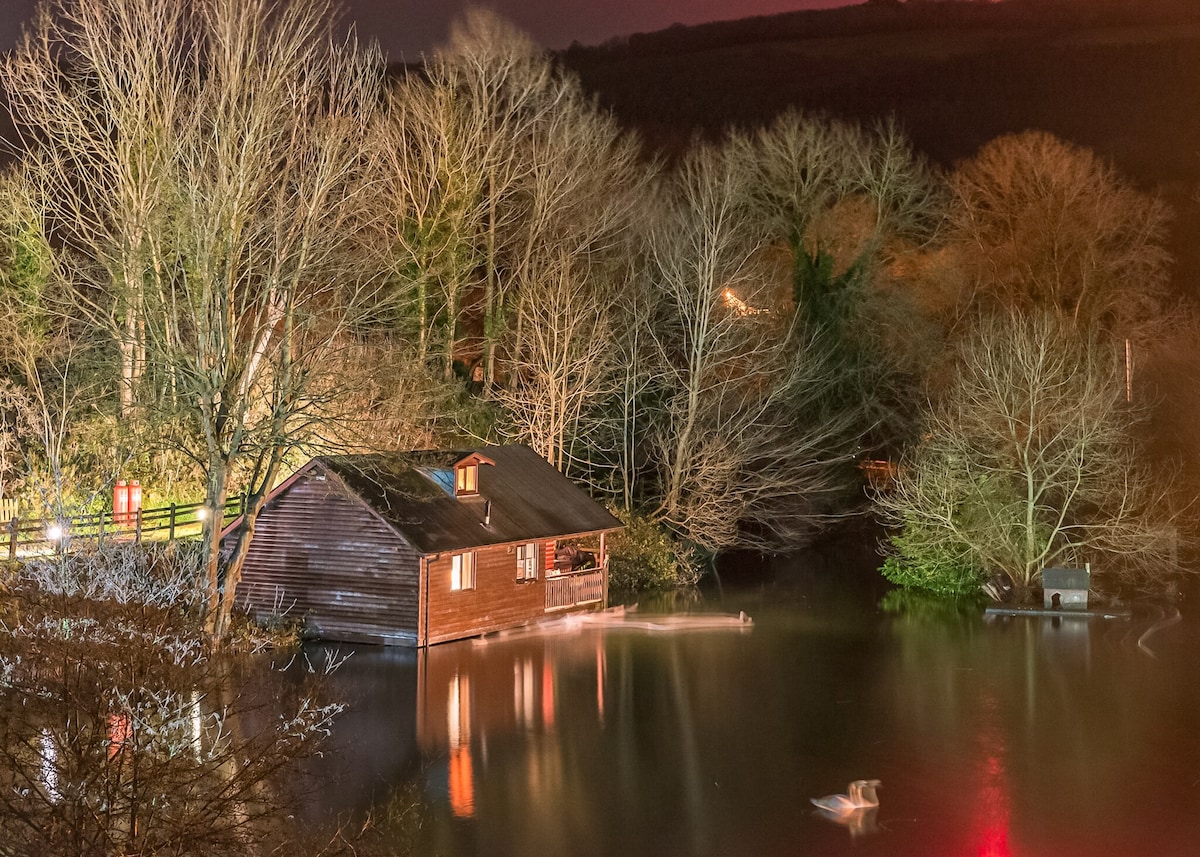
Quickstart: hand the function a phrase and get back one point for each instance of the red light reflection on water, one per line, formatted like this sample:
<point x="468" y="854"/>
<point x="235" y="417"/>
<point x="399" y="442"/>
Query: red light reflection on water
<point x="993" y="806"/>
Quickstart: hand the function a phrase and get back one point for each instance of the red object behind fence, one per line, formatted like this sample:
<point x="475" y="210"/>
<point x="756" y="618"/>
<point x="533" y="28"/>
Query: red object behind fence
<point x="127" y="502"/>
<point x="120" y="502"/>
<point x="135" y="500"/>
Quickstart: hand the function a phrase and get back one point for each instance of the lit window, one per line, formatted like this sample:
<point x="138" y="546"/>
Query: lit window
<point x="527" y="561"/>
<point x="462" y="571"/>
<point x="466" y="479"/>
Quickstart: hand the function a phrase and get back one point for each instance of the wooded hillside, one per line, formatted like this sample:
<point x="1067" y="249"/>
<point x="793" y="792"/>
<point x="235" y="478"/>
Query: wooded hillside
<point x="1120" y="77"/>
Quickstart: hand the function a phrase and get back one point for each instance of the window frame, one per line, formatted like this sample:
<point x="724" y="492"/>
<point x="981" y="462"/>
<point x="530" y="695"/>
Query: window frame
<point x="466" y="479"/>
<point x="463" y="572"/>
<point x="528" y="554"/>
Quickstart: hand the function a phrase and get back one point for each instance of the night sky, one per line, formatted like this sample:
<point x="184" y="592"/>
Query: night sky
<point x="405" y="28"/>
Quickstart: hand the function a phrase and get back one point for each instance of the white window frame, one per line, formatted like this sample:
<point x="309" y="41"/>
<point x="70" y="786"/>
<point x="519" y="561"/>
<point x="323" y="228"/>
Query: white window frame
<point x="527" y="561"/>
<point x="462" y="572"/>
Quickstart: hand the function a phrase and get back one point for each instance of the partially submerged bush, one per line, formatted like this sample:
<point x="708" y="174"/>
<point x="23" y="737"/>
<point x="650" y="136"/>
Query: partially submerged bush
<point x="644" y="557"/>
<point x="164" y="575"/>
<point x="931" y="565"/>
<point x="122" y="733"/>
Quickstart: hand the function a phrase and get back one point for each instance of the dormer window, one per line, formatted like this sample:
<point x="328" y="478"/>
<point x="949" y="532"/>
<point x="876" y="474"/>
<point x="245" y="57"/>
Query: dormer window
<point x="466" y="474"/>
<point x="466" y="479"/>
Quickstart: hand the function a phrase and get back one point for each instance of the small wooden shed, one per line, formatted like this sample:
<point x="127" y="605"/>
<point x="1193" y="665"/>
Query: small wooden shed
<point x="424" y="547"/>
<point x="1066" y="588"/>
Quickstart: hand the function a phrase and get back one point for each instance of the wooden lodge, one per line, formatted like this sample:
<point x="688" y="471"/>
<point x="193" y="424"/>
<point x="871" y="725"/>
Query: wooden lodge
<point x="424" y="547"/>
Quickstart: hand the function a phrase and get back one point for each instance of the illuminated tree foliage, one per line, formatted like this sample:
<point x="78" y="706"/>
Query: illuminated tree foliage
<point x="1038" y="224"/>
<point x="1028" y="460"/>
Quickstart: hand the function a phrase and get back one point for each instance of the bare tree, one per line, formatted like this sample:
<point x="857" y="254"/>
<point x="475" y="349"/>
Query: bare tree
<point x="100" y="91"/>
<point x="851" y="204"/>
<point x="54" y="374"/>
<point x="734" y="371"/>
<point x="1028" y="461"/>
<point x="579" y="202"/>
<point x="578" y="197"/>
<point x="507" y="84"/>
<point x="805" y="167"/>
<point x="1040" y="224"/>
<point x="427" y="146"/>
<point x="238" y="242"/>
<point x="565" y="365"/>
<point x="271" y="196"/>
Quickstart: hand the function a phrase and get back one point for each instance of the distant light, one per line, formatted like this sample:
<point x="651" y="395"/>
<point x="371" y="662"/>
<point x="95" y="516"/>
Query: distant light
<point x="54" y="532"/>
<point x="202" y="514"/>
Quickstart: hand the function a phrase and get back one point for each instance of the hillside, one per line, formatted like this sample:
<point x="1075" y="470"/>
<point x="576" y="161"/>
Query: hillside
<point x="1122" y="78"/>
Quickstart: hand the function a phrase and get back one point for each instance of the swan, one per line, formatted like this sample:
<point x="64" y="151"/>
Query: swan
<point x="861" y="795"/>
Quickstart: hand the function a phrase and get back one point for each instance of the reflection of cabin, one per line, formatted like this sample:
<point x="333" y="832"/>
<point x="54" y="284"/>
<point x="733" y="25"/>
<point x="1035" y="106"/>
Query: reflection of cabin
<point x="473" y="700"/>
<point x="423" y="547"/>
<point x="1066" y="588"/>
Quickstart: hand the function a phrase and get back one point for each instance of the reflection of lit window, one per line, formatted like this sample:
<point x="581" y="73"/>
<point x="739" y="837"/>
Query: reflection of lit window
<point x="462" y="571"/>
<point x="523" y="692"/>
<point x="458" y="711"/>
<point x="548" y="693"/>
<point x="601" y="670"/>
<point x="527" y="557"/>
<point x="466" y="479"/>
<point x="462" y="783"/>
<point x="458" y="723"/>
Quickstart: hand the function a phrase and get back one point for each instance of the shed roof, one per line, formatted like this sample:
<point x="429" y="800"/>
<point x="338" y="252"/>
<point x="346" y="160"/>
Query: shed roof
<point x="529" y="499"/>
<point x="1066" y="578"/>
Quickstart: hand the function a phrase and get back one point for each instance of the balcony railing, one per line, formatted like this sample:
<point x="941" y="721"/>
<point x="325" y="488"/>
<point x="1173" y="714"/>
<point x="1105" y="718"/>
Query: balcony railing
<point x="574" y="589"/>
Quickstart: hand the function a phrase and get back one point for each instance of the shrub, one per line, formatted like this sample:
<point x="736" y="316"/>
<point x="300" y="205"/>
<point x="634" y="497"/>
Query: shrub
<point x="645" y="557"/>
<point x="122" y="732"/>
<point x="159" y="574"/>
<point x="931" y="565"/>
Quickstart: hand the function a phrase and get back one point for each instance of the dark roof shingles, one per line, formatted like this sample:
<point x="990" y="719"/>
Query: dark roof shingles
<point x="529" y="498"/>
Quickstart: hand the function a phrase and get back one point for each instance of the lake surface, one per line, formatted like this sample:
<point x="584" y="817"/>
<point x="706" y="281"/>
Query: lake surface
<point x="1022" y="737"/>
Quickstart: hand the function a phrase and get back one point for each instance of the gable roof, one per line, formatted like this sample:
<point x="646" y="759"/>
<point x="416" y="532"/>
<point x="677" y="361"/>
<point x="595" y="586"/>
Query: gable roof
<point x="521" y="497"/>
<point x="1066" y="578"/>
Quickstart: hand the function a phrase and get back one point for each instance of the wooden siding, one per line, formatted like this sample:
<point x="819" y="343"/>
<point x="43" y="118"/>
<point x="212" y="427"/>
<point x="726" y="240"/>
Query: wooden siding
<point x="498" y="601"/>
<point x="324" y="557"/>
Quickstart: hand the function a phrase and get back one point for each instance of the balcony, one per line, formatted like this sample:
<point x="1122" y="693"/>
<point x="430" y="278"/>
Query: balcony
<point x="575" y="589"/>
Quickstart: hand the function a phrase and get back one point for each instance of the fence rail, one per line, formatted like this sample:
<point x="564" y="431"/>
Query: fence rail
<point x="38" y="536"/>
<point x="574" y="589"/>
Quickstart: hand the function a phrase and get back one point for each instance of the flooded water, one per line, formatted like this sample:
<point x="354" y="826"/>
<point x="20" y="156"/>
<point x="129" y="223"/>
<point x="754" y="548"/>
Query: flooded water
<point x="1024" y="737"/>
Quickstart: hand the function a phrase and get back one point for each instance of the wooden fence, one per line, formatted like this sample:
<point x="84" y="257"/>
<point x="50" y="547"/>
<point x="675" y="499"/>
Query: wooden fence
<point x="574" y="589"/>
<point x="36" y="536"/>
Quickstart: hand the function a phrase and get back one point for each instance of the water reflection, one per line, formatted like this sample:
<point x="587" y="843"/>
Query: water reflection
<point x="860" y="822"/>
<point x="856" y="810"/>
<point x="1015" y="737"/>
<point x="993" y="810"/>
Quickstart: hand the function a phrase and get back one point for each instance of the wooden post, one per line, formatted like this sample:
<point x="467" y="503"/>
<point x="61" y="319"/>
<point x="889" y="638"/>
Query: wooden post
<point x="100" y="531"/>
<point x="137" y="538"/>
<point x="604" y="571"/>
<point x="171" y="528"/>
<point x="1128" y="371"/>
<point x="12" y="538"/>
